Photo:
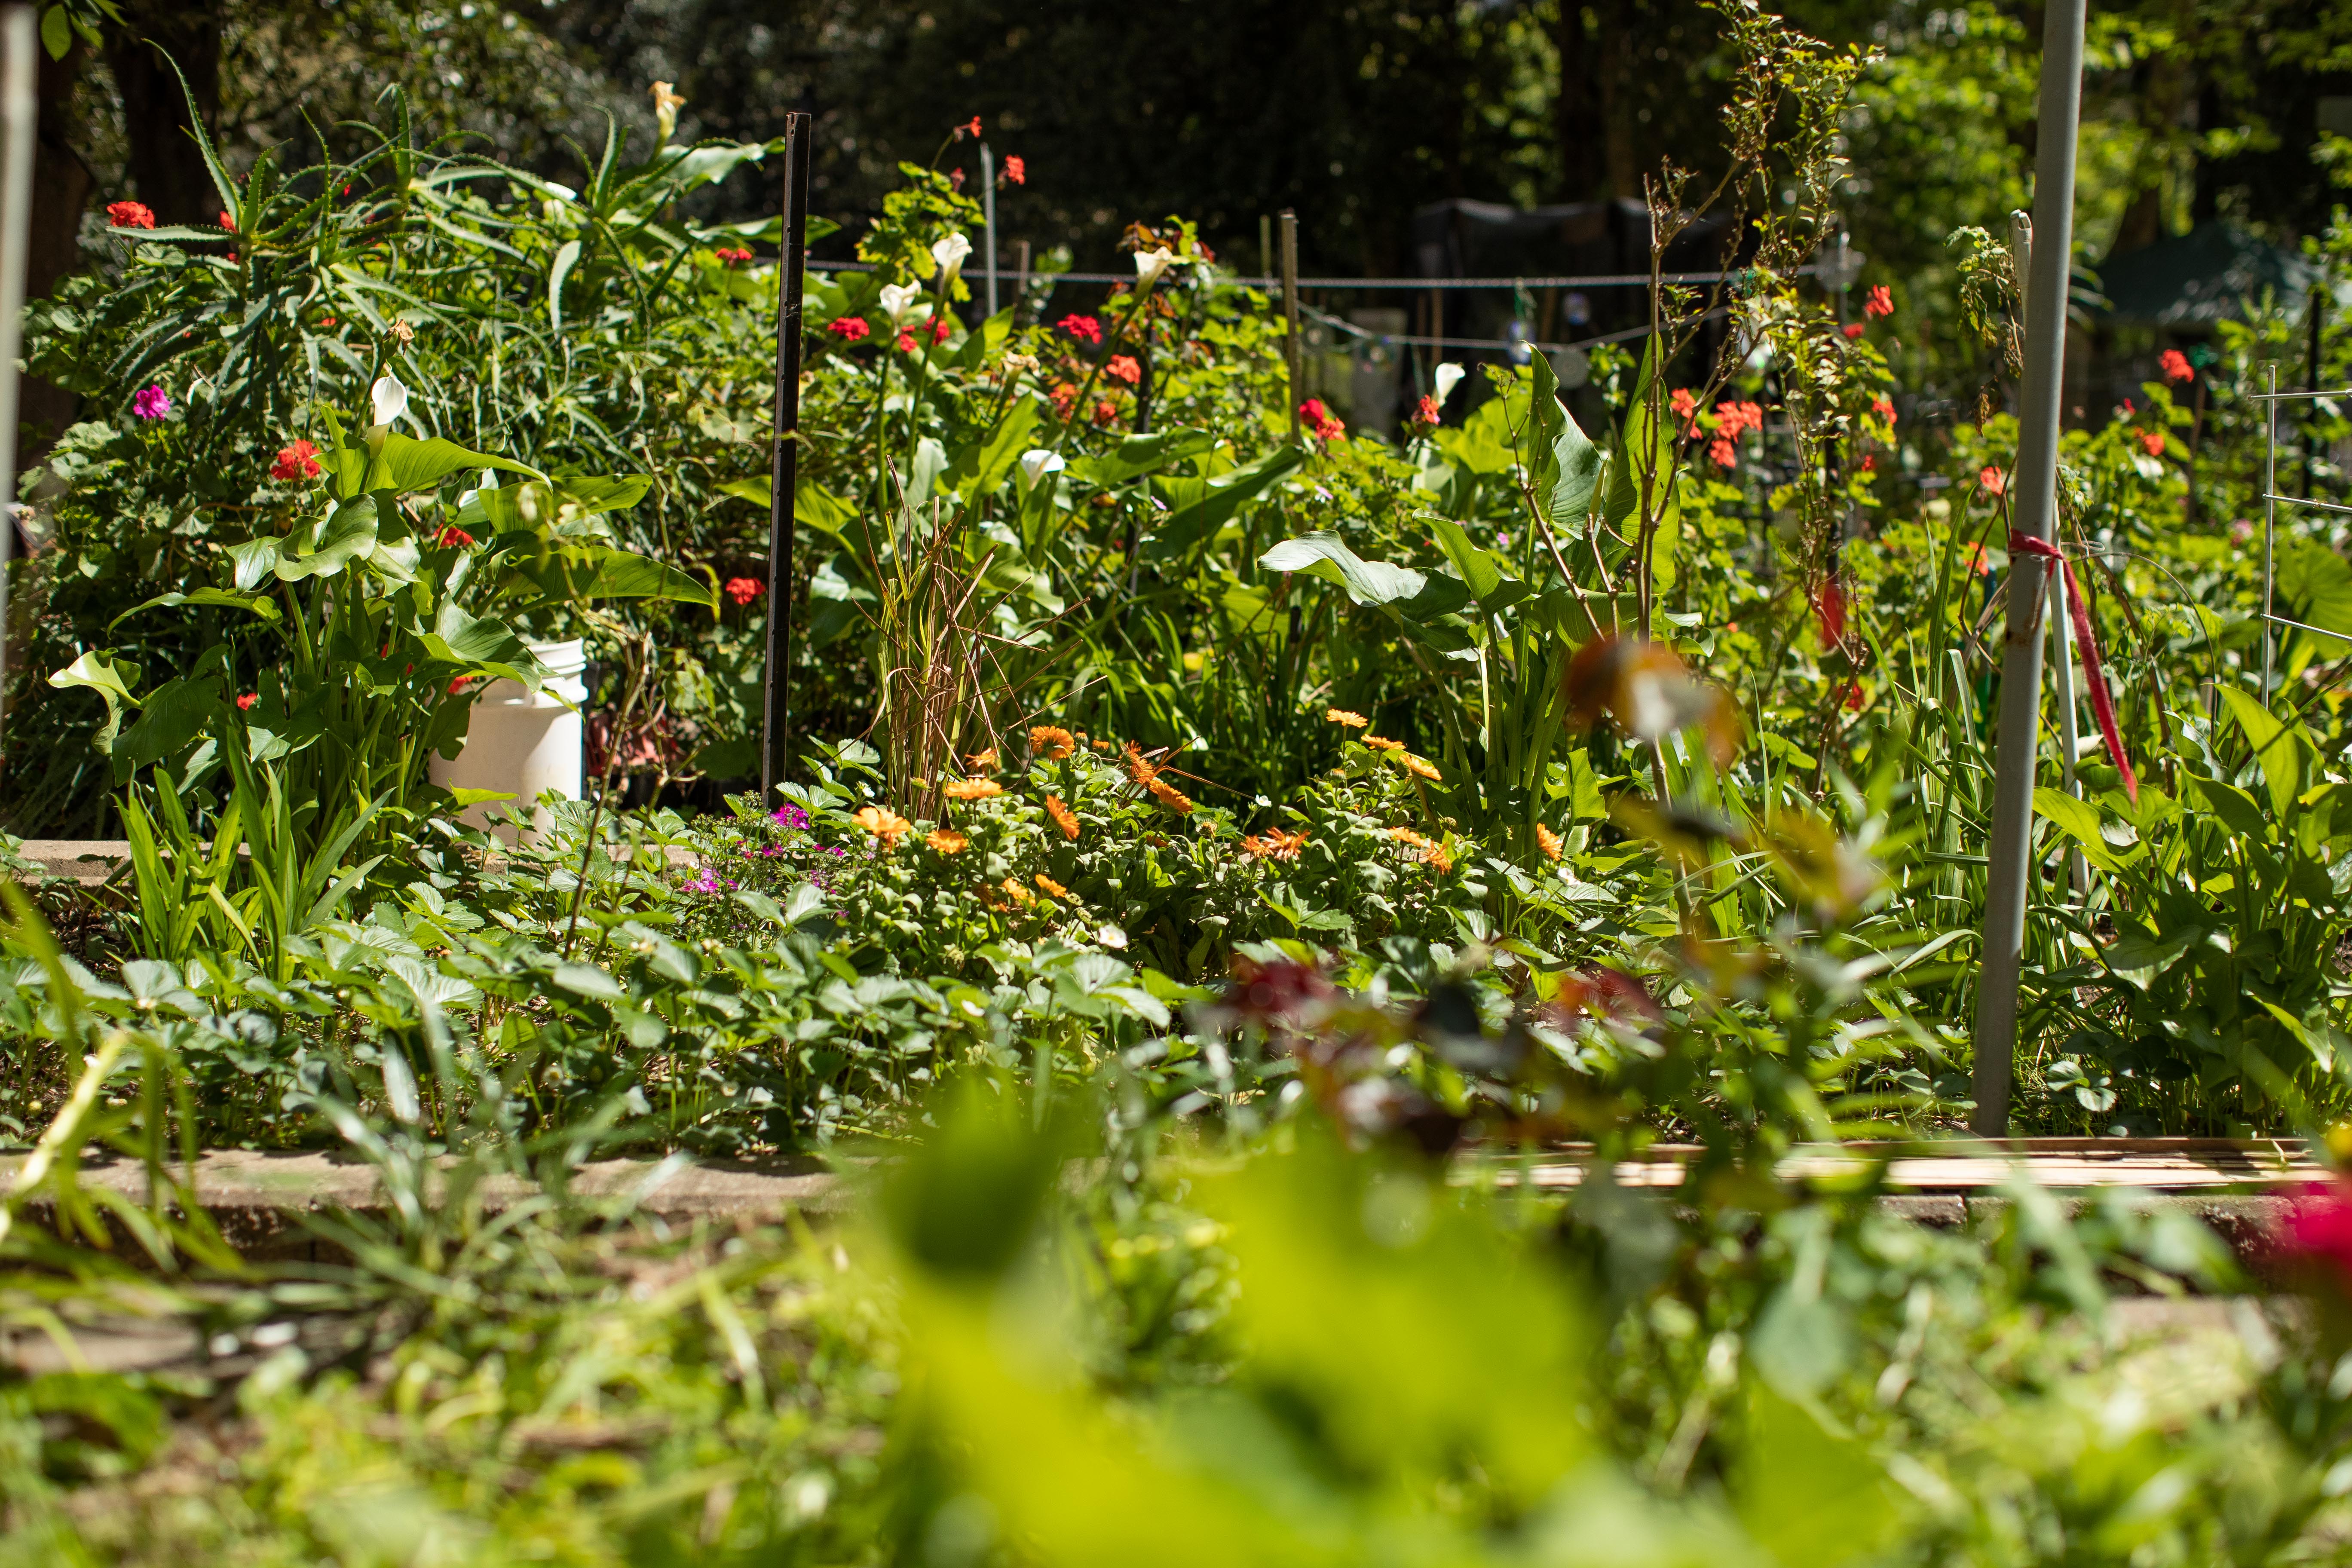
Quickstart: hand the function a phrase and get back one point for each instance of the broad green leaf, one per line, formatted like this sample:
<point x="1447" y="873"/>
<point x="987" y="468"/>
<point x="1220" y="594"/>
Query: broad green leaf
<point x="220" y="598"/>
<point x="990" y="465"/>
<point x="404" y="464"/>
<point x="573" y="573"/>
<point x="567" y="256"/>
<point x="2234" y="807"/>
<point x="2079" y="820"/>
<point x="101" y="673"/>
<point x="1199" y="506"/>
<point x="1494" y="587"/>
<point x="324" y="547"/>
<point x="1139" y="454"/>
<point x="1325" y="556"/>
<point x="540" y="503"/>
<point x="255" y="561"/>
<point x="1646" y="454"/>
<point x="488" y="646"/>
<point x="2275" y="746"/>
<point x="172" y="716"/>
<point x="1575" y="467"/>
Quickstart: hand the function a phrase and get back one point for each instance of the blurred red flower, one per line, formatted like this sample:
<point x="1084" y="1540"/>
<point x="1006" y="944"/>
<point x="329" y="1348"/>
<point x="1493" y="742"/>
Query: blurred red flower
<point x="298" y="461"/>
<point x="743" y="590"/>
<point x="849" y="328"/>
<point x="1080" y="329"/>
<point x="2153" y="442"/>
<point x="1122" y="367"/>
<point x="1879" y="302"/>
<point x="1852" y="328"/>
<point x="130" y="214"/>
<point x="2175" y="364"/>
<point x="1017" y="171"/>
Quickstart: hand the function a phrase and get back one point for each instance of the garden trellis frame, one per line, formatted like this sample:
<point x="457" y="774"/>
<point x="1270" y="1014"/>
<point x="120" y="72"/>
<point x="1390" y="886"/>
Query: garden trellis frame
<point x="2271" y="398"/>
<point x="19" y="43"/>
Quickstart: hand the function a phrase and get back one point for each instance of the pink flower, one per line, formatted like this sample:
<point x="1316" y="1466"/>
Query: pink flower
<point x="1016" y="172"/>
<point x="130" y="214"/>
<point x="2318" y="1233"/>
<point x="1080" y="329"/>
<point x="245" y="703"/>
<point x="743" y="590"/>
<point x="1852" y="328"/>
<point x="1879" y="302"/>
<point x="2240" y="531"/>
<point x="2175" y="364"/>
<point x="849" y="328"/>
<point x="1994" y="481"/>
<point x="733" y="257"/>
<point x="151" y="402"/>
<point x="298" y="461"/>
<point x="2152" y="441"/>
<point x="1122" y="367"/>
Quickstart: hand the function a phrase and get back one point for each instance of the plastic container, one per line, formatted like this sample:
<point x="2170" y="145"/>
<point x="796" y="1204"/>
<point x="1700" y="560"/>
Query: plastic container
<point x="525" y="743"/>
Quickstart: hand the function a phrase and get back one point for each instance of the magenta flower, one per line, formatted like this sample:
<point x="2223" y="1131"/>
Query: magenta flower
<point x="151" y="402"/>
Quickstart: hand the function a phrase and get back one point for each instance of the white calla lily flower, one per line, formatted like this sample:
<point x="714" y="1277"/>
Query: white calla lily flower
<point x="388" y="399"/>
<point x="1447" y="377"/>
<point x="897" y="299"/>
<point x="1036" y="463"/>
<point x="1150" y="264"/>
<point x="948" y="254"/>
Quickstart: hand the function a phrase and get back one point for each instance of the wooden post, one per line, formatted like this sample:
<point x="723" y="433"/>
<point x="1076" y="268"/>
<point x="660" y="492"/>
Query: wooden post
<point x="19" y="57"/>
<point x="1290" y="310"/>
<point x="783" y="473"/>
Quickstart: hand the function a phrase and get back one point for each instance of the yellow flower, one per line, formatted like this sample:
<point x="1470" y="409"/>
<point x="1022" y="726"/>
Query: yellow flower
<point x="1417" y="765"/>
<point x="1052" y="887"/>
<point x="947" y="841"/>
<point x="883" y="823"/>
<point x="1341" y="716"/>
<point x="1063" y="818"/>
<point x="1382" y="744"/>
<point x="1054" y="742"/>
<point x="1548" y="841"/>
<point x="971" y="789"/>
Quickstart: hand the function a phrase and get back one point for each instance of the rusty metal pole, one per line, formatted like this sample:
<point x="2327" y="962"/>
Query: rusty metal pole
<point x="1290" y="312"/>
<point x="783" y="473"/>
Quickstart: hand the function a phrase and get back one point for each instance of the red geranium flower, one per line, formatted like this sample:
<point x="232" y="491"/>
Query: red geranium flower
<point x="454" y="538"/>
<point x="245" y="703"/>
<point x="1852" y="328"/>
<point x="1104" y="411"/>
<point x="1869" y="462"/>
<point x="1725" y="454"/>
<point x="1879" y="302"/>
<point x="1426" y="413"/>
<point x="1853" y="696"/>
<point x="1994" y="481"/>
<point x="2176" y="364"/>
<point x="731" y="257"/>
<point x="1319" y="422"/>
<point x="971" y="129"/>
<point x="2153" y="441"/>
<point x="298" y="461"/>
<point x="906" y="343"/>
<point x="1080" y="329"/>
<point x="1883" y="407"/>
<point x="743" y="590"/>
<point x="940" y="328"/>
<point x="1682" y="402"/>
<point x="1016" y="172"/>
<point x="130" y="214"/>
<point x="849" y="328"/>
<point x="1122" y="367"/>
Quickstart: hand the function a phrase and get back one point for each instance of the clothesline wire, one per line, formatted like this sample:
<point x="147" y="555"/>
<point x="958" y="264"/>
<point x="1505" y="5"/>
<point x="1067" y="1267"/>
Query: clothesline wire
<point x="1613" y="280"/>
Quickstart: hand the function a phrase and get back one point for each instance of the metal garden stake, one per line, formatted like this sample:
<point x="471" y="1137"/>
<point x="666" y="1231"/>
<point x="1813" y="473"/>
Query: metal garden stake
<point x="783" y="474"/>
<point x="2033" y="490"/>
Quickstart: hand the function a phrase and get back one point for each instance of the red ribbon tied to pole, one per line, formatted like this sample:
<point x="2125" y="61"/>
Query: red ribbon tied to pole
<point x="2102" y="705"/>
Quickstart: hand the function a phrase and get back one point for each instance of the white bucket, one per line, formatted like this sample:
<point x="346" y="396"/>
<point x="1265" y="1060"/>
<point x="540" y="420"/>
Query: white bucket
<point x="522" y="742"/>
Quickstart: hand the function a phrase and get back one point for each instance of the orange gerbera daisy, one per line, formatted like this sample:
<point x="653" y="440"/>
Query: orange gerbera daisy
<point x="1430" y="852"/>
<point x="1341" y="716"/>
<point x="947" y="841"/>
<point x="1168" y="795"/>
<point x="883" y="823"/>
<point x="1053" y="741"/>
<point x="1052" y="887"/>
<point x="1382" y="744"/>
<point x="1021" y="895"/>
<point x="1275" y="845"/>
<point x="971" y="789"/>
<point x="983" y="761"/>
<point x="1063" y="818"/>
<point x="1420" y="766"/>
<point x="1548" y="841"/>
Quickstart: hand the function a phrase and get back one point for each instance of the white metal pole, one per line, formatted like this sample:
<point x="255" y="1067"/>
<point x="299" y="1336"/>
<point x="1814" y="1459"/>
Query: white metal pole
<point x="988" y="216"/>
<point x="19" y="40"/>
<point x="2061" y="634"/>
<point x="2033" y="494"/>
<point x="2270" y="513"/>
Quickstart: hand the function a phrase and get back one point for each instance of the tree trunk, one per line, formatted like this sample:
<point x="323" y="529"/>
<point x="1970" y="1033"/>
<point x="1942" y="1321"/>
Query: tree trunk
<point x="165" y="165"/>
